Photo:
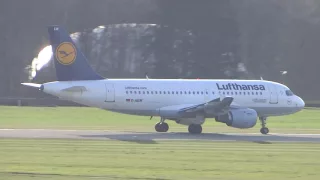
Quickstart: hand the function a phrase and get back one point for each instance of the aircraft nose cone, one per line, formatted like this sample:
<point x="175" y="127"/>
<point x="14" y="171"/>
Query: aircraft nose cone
<point x="300" y="103"/>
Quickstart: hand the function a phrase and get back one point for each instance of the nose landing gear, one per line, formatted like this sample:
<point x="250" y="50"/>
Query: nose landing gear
<point x="264" y="129"/>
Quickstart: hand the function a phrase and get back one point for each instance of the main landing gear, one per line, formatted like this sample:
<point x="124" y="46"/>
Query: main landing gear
<point x="264" y="129"/>
<point x="164" y="127"/>
<point x="195" y="129"/>
<point x="161" y="126"/>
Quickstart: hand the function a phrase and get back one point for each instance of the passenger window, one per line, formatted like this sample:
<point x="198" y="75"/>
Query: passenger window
<point x="197" y="92"/>
<point x="244" y="93"/>
<point x="135" y="92"/>
<point x="252" y="93"/>
<point x="156" y="92"/>
<point x="164" y="92"/>
<point x="159" y="92"/>
<point x="168" y="92"/>
<point x="126" y="92"/>
<point x="235" y="93"/>
<point x="228" y="93"/>
<point x="201" y="92"/>
<point x="206" y="92"/>
<point x="223" y="93"/>
<point x="147" y="92"/>
<point x="256" y="93"/>
<point x="260" y="93"/>
<point x="212" y="92"/>
<point x="143" y="92"/>
<point x="151" y="92"/>
<point x="177" y="92"/>
<point x="231" y="93"/>
<point x="180" y="92"/>
<point x="185" y="92"/>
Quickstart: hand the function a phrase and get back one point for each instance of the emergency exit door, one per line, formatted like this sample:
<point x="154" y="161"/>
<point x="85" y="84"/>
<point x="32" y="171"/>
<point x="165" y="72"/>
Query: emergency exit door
<point x="110" y="95"/>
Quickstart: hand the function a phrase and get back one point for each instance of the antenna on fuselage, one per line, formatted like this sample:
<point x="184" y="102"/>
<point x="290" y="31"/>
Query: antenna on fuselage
<point x="261" y="78"/>
<point x="147" y="76"/>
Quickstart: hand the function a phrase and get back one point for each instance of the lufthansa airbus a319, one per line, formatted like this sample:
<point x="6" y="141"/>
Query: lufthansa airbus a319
<point x="236" y="103"/>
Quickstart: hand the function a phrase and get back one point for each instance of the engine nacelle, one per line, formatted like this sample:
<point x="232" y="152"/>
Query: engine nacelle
<point x="239" y="118"/>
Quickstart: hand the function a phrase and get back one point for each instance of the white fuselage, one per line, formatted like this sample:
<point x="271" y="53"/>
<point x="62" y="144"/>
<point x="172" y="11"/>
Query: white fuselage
<point x="146" y="96"/>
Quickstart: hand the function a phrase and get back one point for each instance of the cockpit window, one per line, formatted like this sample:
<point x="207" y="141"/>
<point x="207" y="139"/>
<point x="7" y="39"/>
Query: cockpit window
<point x="289" y="93"/>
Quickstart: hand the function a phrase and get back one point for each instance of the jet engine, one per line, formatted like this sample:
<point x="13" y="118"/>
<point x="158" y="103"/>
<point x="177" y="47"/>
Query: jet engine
<point x="239" y="118"/>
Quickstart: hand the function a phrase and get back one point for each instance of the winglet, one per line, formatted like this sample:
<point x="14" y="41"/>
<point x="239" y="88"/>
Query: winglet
<point x="226" y="101"/>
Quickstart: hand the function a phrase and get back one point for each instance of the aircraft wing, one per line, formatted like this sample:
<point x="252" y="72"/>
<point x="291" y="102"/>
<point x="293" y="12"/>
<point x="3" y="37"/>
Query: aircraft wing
<point x="215" y="107"/>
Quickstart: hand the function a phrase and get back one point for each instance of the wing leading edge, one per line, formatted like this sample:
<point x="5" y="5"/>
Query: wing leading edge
<point x="216" y="107"/>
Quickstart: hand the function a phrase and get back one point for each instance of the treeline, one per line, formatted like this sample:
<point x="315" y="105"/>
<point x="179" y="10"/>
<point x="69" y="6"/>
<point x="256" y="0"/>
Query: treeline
<point x="230" y="39"/>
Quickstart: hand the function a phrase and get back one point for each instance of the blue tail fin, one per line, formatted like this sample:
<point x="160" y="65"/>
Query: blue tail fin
<point x="69" y="61"/>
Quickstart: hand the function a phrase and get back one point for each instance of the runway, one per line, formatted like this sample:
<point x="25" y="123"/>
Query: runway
<point x="154" y="136"/>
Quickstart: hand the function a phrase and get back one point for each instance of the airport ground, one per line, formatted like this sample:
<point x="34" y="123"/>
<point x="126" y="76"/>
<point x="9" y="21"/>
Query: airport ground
<point x="121" y="158"/>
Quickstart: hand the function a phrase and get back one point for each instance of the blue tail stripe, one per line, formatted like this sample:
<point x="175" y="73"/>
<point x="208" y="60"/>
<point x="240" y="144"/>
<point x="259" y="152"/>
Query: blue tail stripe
<point x="69" y="61"/>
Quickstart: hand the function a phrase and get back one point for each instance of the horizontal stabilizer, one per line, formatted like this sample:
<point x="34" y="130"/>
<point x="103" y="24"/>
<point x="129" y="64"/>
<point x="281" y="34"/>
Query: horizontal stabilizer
<point x="32" y="85"/>
<point x="75" y="89"/>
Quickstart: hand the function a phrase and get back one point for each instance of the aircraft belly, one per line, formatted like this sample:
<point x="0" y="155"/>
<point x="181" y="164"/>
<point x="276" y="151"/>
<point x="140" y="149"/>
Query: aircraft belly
<point x="134" y="107"/>
<point x="274" y="111"/>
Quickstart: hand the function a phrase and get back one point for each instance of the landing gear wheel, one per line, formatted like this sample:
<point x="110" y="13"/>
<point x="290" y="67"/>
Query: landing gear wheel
<point x="195" y="129"/>
<point x="161" y="127"/>
<point x="264" y="130"/>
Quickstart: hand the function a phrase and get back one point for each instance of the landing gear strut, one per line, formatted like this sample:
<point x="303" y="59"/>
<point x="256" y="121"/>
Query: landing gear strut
<point x="264" y="129"/>
<point x="195" y="128"/>
<point x="161" y="126"/>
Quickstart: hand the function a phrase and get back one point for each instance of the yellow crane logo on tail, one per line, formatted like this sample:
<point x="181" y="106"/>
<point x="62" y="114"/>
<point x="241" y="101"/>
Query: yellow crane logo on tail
<point x="66" y="53"/>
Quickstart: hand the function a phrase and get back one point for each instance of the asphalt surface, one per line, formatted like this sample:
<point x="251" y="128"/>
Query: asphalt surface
<point x="153" y="136"/>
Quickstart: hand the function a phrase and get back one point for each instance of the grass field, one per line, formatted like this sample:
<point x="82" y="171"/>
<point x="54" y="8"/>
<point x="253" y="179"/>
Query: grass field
<point x="83" y="159"/>
<point x="110" y="159"/>
<point x="306" y="121"/>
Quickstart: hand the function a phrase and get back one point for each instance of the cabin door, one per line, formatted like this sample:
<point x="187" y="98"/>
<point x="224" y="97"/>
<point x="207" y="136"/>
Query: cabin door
<point x="273" y="94"/>
<point x="110" y="95"/>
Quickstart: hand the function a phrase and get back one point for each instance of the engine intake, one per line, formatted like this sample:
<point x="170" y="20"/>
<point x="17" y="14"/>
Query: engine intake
<point x="239" y="118"/>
